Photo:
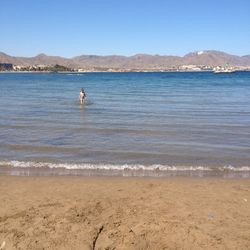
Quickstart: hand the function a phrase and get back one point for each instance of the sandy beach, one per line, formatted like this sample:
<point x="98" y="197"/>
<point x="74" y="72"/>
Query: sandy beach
<point x="124" y="213"/>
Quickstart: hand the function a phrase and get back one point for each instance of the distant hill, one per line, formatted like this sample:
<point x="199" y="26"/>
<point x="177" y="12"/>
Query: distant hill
<point x="39" y="59"/>
<point x="139" y="61"/>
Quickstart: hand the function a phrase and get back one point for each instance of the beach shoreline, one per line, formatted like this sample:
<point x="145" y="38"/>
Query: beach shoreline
<point x="77" y="212"/>
<point x="137" y="171"/>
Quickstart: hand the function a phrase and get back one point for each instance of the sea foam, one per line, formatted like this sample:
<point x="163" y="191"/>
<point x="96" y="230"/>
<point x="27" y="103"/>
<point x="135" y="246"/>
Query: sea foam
<point x="119" y="167"/>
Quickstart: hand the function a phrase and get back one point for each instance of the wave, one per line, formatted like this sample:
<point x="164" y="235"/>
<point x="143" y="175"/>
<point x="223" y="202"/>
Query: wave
<point x="119" y="167"/>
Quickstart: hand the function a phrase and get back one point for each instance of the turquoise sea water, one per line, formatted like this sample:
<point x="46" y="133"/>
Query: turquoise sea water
<point x="130" y="121"/>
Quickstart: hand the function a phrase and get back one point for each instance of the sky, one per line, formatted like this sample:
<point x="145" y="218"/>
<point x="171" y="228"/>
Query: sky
<point x="125" y="27"/>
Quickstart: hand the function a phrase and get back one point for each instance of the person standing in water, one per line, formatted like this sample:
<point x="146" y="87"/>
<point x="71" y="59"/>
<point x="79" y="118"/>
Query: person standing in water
<point x="82" y="96"/>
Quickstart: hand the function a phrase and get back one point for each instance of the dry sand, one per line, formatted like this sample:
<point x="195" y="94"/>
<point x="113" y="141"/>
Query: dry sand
<point x="124" y="213"/>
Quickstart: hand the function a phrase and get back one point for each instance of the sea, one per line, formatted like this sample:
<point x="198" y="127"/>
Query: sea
<point x="131" y="124"/>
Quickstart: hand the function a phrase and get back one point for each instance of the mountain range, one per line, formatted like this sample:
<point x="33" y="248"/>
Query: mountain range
<point x="138" y="61"/>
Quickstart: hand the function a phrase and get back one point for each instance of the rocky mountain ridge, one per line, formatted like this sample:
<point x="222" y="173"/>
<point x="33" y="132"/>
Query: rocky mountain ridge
<point x="138" y="61"/>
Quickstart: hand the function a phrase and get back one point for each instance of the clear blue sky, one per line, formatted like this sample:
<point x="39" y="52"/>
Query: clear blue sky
<point x="124" y="27"/>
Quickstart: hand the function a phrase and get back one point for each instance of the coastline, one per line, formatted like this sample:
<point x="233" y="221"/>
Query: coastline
<point x="123" y="171"/>
<point x="120" y="71"/>
<point x="124" y="213"/>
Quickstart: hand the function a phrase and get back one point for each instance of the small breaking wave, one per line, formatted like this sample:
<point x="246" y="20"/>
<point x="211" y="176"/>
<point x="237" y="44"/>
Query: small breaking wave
<point x="119" y="167"/>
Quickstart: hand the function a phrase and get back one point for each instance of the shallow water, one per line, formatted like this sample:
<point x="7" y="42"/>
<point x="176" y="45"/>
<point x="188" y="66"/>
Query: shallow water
<point x="149" y="121"/>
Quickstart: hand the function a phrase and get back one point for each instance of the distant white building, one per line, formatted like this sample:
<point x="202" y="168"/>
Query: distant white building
<point x="190" y="67"/>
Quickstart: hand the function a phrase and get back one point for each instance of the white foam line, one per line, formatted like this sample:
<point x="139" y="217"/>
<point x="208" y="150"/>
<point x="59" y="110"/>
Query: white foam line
<point x="121" y="167"/>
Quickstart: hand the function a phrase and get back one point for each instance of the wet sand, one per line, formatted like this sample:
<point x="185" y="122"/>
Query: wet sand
<point x="124" y="213"/>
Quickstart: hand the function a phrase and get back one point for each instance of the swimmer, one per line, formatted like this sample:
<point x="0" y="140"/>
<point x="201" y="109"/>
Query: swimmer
<point x="82" y="96"/>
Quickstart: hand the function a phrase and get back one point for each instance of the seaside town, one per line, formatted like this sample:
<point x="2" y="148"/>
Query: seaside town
<point x="180" y="68"/>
